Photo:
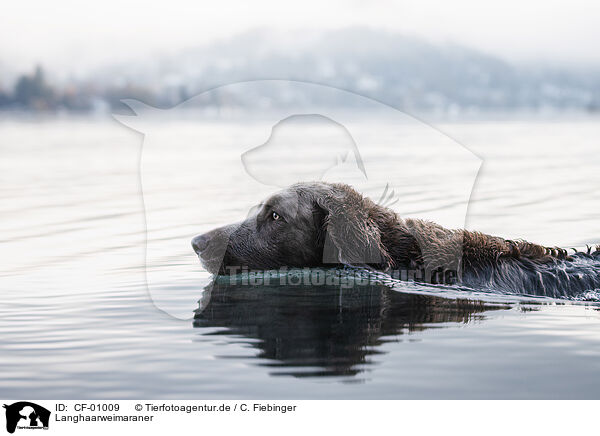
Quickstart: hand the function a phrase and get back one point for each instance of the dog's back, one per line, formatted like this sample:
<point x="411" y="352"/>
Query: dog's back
<point x="556" y="278"/>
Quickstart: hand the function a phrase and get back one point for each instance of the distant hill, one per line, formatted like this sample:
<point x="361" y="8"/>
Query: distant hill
<point x="406" y="72"/>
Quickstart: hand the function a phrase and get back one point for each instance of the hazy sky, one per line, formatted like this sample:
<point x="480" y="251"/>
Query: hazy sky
<point x="75" y="35"/>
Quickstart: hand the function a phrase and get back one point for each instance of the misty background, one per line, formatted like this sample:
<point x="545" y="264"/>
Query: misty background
<point x="420" y="57"/>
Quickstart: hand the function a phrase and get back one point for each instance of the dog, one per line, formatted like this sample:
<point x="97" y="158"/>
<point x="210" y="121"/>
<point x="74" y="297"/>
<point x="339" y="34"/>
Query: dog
<point x="320" y="224"/>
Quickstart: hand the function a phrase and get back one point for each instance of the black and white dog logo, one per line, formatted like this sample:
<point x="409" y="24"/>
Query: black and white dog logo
<point x="26" y="415"/>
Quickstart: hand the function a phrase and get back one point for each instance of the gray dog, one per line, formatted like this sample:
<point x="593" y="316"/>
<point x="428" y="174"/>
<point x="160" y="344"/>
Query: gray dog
<point x="321" y="224"/>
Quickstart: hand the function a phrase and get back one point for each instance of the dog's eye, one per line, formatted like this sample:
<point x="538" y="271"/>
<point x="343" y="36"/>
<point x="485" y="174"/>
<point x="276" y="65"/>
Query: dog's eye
<point x="275" y="216"/>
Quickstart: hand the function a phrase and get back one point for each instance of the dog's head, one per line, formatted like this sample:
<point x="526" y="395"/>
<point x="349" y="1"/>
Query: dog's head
<point x="305" y="225"/>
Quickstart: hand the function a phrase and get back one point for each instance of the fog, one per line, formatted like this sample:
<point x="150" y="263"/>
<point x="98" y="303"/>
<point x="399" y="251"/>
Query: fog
<point x="72" y="38"/>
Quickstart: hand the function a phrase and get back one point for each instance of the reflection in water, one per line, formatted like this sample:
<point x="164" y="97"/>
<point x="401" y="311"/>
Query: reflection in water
<point x="324" y="330"/>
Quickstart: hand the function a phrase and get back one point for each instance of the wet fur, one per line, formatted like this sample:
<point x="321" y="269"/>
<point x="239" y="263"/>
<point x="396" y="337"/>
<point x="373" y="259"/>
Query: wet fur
<point x="327" y="224"/>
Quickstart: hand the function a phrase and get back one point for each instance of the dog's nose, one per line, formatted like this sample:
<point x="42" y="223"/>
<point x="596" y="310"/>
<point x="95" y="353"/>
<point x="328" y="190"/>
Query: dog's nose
<point x="199" y="243"/>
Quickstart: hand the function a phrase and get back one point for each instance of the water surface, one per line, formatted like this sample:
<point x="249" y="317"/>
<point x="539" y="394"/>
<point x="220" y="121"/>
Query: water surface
<point x="77" y="320"/>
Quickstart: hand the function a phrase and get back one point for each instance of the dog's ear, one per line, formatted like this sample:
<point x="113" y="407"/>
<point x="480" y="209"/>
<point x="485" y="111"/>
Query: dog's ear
<point x="349" y="235"/>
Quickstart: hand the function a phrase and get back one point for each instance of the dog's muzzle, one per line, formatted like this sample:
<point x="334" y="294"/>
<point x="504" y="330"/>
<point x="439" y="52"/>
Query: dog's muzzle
<point x="211" y="248"/>
<point x="200" y="243"/>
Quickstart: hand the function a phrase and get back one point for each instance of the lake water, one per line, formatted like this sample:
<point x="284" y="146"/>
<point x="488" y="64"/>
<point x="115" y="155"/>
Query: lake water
<point x="102" y="296"/>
